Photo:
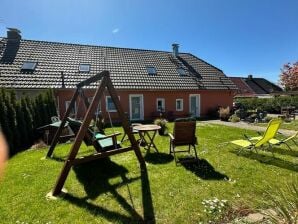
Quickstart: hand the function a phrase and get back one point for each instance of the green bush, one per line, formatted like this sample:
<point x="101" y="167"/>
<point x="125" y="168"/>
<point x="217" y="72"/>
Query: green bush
<point x="271" y="105"/>
<point x="19" y="117"/>
<point x="234" y="118"/>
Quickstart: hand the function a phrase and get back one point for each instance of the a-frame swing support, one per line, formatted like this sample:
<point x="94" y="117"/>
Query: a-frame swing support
<point x="105" y="81"/>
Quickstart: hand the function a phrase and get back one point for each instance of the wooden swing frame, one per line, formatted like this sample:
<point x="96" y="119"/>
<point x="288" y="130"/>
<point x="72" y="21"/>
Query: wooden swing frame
<point x="105" y="82"/>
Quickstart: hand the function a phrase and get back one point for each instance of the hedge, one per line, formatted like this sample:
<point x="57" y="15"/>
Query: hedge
<point x="271" y="105"/>
<point x="20" y="117"/>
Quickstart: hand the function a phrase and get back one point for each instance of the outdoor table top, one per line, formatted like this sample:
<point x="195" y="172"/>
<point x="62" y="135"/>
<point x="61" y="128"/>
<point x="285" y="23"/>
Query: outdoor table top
<point x="147" y="127"/>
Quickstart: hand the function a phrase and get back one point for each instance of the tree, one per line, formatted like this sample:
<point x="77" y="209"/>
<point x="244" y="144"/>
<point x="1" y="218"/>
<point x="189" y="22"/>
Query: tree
<point x="289" y="76"/>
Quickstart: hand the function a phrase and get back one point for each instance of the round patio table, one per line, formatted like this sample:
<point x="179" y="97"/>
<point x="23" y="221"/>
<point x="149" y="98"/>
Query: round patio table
<point x="145" y="130"/>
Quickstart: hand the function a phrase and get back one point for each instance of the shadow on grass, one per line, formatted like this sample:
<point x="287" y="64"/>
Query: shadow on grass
<point x="268" y="159"/>
<point x="203" y="169"/>
<point x="158" y="158"/>
<point x="95" y="178"/>
<point x="283" y="151"/>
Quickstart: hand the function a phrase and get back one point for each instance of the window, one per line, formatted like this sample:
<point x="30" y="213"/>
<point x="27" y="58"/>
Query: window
<point x="73" y="111"/>
<point x="84" y="67"/>
<point x="160" y="104"/>
<point x="98" y="107"/>
<point x="29" y="66"/>
<point x="179" y="104"/>
<point x="110" y="106"/>
<point x="181" y="71"/>
<point x="151" y="70"/>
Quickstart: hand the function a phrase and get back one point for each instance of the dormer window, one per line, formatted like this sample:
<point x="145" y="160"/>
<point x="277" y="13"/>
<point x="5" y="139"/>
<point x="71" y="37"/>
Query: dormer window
<point x="84" y="67"/>
<point x="151" y="70"/>
<point x="181" y="71"/>
<point x="29" y="66"/>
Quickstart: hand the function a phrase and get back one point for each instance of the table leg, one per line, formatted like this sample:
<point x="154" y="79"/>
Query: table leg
<point x="151" y="141"/>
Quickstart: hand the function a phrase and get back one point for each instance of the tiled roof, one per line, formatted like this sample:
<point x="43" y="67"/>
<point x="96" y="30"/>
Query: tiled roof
<point x="127" y="67"/>
<point x="254" y="86"/>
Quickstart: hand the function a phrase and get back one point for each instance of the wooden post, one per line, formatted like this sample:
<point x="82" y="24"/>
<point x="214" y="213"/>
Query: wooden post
<point x="105" y="82"/>
<point x="125" y="123"/>
<point x="63" y="121"/>
<point x="79" y="138"/>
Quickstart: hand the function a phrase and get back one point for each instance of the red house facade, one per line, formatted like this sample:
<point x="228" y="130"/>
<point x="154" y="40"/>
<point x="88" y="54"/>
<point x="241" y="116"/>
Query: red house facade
<point x="147" y="82"/>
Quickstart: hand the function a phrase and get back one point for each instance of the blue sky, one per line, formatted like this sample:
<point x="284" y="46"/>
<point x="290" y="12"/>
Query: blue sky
<point x="240" y="37"/>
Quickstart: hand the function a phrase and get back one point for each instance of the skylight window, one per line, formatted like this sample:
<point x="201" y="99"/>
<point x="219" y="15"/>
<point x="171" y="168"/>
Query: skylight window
<point x="181" y="71"/>
<point x="151" y="70"/>
<point x="29" y="66"/>
<point x="84" y="67"/>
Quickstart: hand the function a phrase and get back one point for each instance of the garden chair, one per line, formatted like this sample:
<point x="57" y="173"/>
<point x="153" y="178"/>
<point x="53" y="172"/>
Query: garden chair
<point x="184" y="134"/>
<point x="100" y="141"/>
<point x="260" y="141"/>
<point x="277" y="142"/>
<point x="285" y="141"/>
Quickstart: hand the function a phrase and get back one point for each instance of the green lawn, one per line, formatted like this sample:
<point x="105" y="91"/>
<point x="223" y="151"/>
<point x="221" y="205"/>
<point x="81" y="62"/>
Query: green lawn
<point x="115" y="191"/>
<point x="292" y="125"/>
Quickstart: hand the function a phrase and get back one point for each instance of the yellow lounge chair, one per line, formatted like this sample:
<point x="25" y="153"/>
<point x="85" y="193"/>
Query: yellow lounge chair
<point x="278" y="142"/>
<point x="261" y="141"/>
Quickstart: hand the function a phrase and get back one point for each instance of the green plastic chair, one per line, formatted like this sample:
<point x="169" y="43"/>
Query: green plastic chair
<point x="261" y="141"/>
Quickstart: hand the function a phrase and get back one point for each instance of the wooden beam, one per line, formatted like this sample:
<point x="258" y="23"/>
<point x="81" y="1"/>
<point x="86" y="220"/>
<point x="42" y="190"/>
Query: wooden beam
<point x="100" y="155"/>
<point x="124" y="121"/>
<point x="63" y="121"/>
<point x="79" y="138"/>
<point x="92" y="79"/>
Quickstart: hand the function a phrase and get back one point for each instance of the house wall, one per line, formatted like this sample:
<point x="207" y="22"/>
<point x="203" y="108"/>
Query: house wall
<point x="209" y="99"/>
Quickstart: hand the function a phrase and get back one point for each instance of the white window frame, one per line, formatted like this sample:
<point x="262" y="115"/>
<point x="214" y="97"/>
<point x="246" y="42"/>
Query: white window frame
<point x="163" y="104"/>
<point x="142" y="106"/>
<point x="198" y="97"/>
<point x="67" y="103"/>
<point x="107" y="109"/>
<point x="181" y="104"/>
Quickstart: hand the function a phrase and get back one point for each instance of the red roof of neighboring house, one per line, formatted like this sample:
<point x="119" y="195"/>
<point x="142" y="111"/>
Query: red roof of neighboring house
<point x="252" y="87"/>
<point x="243" y="89"/>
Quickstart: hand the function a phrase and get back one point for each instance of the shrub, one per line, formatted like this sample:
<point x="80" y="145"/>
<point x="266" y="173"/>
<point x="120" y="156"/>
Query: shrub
<point x="234" y="118"/>
<point x="19" y="117"/>
<point x="224" y="113"/>
<point x="241" y="113"/>
<point x="163" y="124"/>
<point x="268" y="118"/>
<point x="271" y="105"/>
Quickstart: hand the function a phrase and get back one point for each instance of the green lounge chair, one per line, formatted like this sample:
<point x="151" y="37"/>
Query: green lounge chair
<point x="261" y="141"/>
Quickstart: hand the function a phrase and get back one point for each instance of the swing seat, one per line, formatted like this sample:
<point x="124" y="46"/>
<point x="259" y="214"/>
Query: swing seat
<point x="100" y="141"/>
<point x="107" y="142"/>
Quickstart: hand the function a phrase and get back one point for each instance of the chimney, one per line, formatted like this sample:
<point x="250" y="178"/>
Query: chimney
<point x="175" y="50"/>
<point x="249" y="77"/>
<point x="14" y="34"/>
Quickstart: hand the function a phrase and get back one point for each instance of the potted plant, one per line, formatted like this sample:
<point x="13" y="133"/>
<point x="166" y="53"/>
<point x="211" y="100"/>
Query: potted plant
<point x="163" y="126"/>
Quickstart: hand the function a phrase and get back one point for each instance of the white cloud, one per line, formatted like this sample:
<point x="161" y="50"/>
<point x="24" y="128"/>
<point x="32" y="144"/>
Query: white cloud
<point x="115" y="30"/>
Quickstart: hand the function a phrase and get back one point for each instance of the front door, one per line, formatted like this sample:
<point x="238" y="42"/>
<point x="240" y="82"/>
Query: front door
<point x="194" y="104"/>
<point x="136" y="107"/>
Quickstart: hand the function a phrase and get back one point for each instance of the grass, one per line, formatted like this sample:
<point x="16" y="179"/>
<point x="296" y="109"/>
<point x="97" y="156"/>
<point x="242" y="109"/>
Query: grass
<point x="293" y="125"/>
<point x="115" y="191"/>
